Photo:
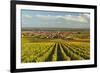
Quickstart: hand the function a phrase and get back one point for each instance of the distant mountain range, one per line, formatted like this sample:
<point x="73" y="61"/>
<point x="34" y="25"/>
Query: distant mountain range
<point x="53" y="29"/>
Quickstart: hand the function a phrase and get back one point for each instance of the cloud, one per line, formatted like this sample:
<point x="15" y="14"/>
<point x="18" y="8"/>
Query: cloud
<point x="27" y="16"/>
<point x="46" y="17"/>
<point x="83" y="18"/>
<point x="79" y="18"/>
<point x="86" y="15"/>
<point x="55" y="19"/>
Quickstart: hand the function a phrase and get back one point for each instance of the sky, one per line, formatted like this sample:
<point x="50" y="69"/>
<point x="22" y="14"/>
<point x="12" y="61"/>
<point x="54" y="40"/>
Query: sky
<point x="54" y="19"/>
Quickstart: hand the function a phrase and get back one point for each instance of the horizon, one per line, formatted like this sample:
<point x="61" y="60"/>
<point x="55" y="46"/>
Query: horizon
<point x="52" y="28"/>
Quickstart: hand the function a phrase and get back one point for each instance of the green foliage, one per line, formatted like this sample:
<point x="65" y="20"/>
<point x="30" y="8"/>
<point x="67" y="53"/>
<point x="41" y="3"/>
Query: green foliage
<point x="41" y="47"/>
<point x="54" y="58"/>
<point x="64" y="54"/>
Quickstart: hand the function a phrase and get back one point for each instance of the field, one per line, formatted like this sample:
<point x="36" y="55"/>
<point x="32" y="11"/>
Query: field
<point x="41" y="45"/>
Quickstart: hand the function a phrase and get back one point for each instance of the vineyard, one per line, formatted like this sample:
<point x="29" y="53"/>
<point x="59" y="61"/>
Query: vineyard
<point x="37" y="48"/>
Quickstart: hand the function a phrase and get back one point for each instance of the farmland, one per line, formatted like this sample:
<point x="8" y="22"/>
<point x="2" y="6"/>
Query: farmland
<point x="46" y="45"/>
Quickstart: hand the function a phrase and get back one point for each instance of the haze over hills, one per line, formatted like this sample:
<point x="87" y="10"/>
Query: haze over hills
<point x="54" y="29"/>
